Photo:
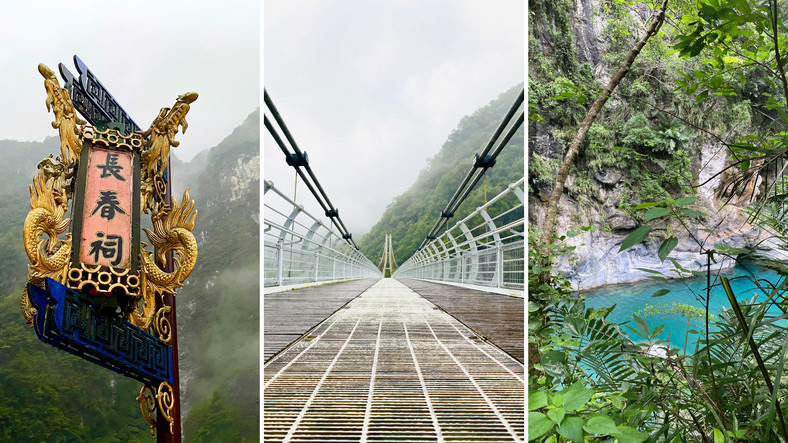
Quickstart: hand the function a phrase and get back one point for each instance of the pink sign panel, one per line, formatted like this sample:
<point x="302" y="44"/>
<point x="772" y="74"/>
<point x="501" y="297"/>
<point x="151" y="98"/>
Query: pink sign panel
<point x="106" y="214"/>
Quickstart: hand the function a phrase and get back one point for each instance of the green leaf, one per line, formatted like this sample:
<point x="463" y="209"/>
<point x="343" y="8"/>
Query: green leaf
<point x="569" y="85"/>
<point x="666" y="247"/>
<point x="581" y="98"/>
<point x="601" y="424"/>
<point x="626" y="434"/>
<point x="537" y="400"/>
<point x="677" y="265"/>
<point x="719" y="437"/>
<point x="642" y="325"/>
<point x="702" y="96"/>
<point x="653" y="213"/>
<point x="576" y="396"/>
<point x="644" y="205"/>
<point x="552" y="357"/>
<point x="637" y="236"/>
<point x="538" y="425"/>
<point x="564" y="96"/>
<point x="572" y="429"/>
<point x="660" y="293"/>
<point x="649" y="270"/>
<point x="684" y="201"/>
<point x="556" y="415"/>
<point x="635" y="331"/>
<point x="657" y="330"/>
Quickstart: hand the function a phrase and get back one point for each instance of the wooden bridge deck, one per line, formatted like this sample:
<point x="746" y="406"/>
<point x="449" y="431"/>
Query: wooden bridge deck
<point x="290" y="314"/>
<point x="498" y="318"/>
<point x="392" y="366"/>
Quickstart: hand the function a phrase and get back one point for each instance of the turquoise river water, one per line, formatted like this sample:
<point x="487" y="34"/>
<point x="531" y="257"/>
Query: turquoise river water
<point x="631" y="298"/>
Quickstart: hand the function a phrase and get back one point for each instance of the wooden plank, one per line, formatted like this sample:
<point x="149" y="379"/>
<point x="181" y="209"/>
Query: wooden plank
<point x="290" y="314"/>
<point x="497" y="318"/>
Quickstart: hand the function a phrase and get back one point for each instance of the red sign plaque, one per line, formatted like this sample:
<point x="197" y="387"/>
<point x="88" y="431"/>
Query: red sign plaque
<point x="107" y="210"/>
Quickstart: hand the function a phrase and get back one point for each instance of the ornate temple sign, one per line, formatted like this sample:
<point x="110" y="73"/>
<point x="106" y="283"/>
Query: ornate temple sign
<point x="107" y="206"/>
<point x="94" y="289"/>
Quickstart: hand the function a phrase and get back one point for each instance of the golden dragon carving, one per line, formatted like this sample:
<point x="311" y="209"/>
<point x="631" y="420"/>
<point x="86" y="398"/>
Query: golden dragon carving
<point x="49" y="257"/>
<point x="162" y="134"/>
<point x="66" y="121"/>
<point x="172" y="231"/>
<point x="49" y="254"/>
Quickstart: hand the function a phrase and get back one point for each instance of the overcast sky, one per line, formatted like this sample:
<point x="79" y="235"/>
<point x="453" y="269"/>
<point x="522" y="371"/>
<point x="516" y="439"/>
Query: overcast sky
<point x="145" y="52"/>
<point x="371" y="89"/>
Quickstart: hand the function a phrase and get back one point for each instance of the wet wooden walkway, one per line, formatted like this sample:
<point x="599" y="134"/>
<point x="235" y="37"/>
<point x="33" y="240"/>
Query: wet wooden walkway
<point x="495" y="317"/>
<point x="392" y="366"/>
<point x="290" y="314"/>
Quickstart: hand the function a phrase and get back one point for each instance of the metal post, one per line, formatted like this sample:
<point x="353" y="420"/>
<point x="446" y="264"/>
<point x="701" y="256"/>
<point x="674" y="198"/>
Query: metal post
<point x="462" y="267"/>
<point x="499" y="264"/>
<point x="280" y="273"/>
<point x="317" y="267"/>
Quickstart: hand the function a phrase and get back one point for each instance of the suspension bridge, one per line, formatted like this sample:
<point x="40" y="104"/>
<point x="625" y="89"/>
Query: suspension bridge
<point x="434" y="353"/>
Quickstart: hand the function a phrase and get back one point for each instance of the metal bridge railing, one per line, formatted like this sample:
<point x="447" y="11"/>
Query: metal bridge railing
<point x="299" y="248"/>
<point x="486" y="248"/>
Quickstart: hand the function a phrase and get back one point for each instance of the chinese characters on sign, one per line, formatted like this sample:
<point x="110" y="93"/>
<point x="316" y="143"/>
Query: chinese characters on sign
<point x="106" y="217"/>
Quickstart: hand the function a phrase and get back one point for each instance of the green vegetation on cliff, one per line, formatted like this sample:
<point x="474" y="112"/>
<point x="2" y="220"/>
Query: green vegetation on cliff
<point x="410" y="215"/>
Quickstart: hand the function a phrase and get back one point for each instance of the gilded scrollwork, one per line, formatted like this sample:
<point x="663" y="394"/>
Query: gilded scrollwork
<point x="66" y="121"/>
<point x="166" y="400"/>
<point x="28" y="311"/>
<point x="163" y="329"/>
<point x="147" y="403"/>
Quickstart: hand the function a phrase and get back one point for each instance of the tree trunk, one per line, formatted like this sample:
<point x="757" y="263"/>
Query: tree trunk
<point x="548" y="229"/>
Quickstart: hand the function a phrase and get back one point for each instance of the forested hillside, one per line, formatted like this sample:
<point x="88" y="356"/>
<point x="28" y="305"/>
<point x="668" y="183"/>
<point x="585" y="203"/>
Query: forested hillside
<point x="410" y="215"/>
<point x="49" y="395"/>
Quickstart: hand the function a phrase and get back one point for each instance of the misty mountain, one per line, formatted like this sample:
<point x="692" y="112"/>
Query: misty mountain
<point x="49" y="395"/>
<point x="410" y="215"/>
<point x="218" y="310"/>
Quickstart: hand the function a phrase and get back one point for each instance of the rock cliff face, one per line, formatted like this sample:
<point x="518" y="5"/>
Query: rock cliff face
<point x="602" y="188"/>
<point x="596" y="261"/>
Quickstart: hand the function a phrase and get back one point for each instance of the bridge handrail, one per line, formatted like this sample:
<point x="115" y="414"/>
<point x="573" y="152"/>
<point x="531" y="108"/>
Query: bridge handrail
<point x="319" y="254"/>
<point x="491" y="253"/>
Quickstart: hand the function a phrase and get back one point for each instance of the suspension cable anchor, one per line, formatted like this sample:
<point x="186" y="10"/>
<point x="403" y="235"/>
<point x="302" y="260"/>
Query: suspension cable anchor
<point x="298" y="159"/>
<point x="487" y="162"/>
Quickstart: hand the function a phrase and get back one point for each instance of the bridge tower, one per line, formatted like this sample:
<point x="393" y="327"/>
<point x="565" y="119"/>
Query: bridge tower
<point x="387" y="262"/>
